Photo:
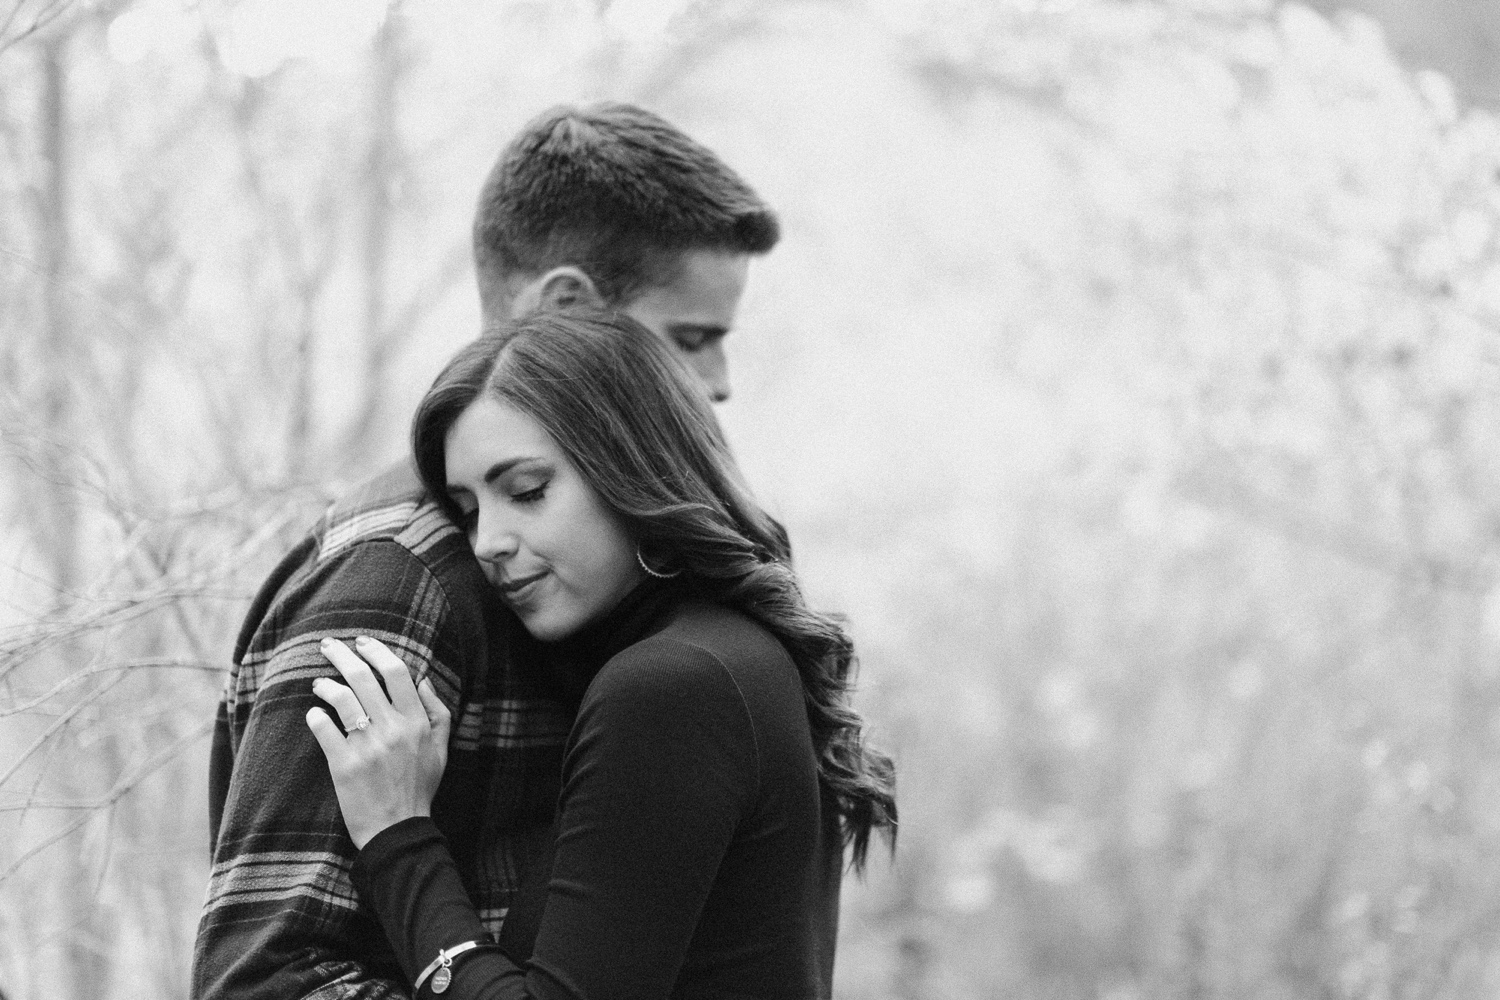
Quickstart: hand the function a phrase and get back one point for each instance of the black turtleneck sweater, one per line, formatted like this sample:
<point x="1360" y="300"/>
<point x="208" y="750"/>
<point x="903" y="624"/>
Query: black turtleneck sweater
<point x="695" y="854"/>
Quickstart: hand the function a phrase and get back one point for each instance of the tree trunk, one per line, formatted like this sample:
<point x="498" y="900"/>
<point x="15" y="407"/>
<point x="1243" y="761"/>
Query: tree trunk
<point x="60" y="513"/>
<point x="381" y="166"/>
<point x="88" y="945"/>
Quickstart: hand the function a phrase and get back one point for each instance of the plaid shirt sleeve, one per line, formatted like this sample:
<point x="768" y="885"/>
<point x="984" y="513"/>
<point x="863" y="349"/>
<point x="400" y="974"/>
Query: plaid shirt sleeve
<point x="282" y="919"/>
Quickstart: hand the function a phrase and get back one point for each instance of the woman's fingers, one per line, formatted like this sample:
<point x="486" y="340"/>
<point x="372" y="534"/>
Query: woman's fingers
<point x="435" y="748"/>
<point x="398" y="683"/>
<point x="357" y="674"/>
<point x="437" y="712"/>
<point x="327" y="735"/>
<point x="349" y="708"/>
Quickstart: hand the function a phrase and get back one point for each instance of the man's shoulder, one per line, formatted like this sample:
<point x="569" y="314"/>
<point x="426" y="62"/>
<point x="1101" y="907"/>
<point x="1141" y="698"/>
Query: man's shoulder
<point x="383" y="549"/>
<point x="385" y="534"/>
<point x="390" y="507"/>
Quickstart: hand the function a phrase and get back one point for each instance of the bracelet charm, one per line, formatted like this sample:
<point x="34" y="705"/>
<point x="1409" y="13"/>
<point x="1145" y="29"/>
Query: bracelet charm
<point x="440" y="969"/>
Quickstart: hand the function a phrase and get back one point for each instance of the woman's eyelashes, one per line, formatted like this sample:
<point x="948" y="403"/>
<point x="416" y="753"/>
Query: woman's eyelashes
<point x="468" y="516"/>
<point x="520" y="481"/>
<point x="530" y="494"/>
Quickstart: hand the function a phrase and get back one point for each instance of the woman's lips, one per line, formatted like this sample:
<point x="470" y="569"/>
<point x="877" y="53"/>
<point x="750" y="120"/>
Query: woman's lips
<point x="518" y="589"/>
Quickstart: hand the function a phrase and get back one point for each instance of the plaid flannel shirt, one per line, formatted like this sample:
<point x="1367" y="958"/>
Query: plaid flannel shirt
<point x="281" y="917"/>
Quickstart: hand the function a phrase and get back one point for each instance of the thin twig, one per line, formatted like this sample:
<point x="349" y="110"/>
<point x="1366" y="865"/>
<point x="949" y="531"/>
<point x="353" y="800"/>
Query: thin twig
<point x="122" y="787"/>
<point x="51" y="12"/>
<point x="62" y="722"/>
<point x="46" y="843"/>
<point x="150" y="663"/>
<point x="52" y="634"/>
<point x="30" y="641"/>
<point x="1240" y="499"/>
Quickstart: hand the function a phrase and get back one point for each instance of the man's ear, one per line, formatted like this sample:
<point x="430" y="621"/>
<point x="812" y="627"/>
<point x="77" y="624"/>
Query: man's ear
<point x="562" y="287"/>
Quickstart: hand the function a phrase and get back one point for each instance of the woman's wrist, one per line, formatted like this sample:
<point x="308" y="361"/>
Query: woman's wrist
<point x="402" y="835"/>
<point x="406" y="876"/>
<point x="365" y="832"/>
<point x="438" y="973"/>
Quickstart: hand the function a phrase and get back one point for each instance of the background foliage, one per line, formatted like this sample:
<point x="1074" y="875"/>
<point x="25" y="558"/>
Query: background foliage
<point x="1127" y="373"/>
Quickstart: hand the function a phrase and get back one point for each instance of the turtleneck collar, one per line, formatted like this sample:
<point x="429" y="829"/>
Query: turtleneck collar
<point x="573" y="662"/>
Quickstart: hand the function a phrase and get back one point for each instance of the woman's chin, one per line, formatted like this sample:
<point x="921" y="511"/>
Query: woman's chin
<point x="544" y="634"/>
<point x="552" y="613"/>
<point x="546" y="627"/>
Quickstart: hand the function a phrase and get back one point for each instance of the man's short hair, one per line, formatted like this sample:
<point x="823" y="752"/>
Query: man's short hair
<point x="616" y="191"/>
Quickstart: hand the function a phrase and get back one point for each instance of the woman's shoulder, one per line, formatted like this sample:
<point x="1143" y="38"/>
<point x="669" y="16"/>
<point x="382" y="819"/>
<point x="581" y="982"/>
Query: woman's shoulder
<point x="701" y="650"/>
<point x="703" y="630"/>
<point x="716" y="626"/>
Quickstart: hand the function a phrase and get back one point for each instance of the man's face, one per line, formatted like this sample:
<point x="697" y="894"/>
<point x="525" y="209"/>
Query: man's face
<point x="694" y="311"/>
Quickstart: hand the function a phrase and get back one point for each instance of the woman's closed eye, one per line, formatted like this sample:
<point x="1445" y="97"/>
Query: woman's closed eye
<point x="531" y="493"/>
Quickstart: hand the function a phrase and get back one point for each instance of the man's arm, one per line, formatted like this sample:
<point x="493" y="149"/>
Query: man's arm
<point x="282" y="919"/>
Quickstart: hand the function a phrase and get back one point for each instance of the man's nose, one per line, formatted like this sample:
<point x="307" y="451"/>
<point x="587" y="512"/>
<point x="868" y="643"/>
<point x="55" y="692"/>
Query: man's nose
<point x="712" y="367"/>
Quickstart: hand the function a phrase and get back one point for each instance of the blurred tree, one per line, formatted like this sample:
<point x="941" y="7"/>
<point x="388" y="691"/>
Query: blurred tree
<point x="1458" y="37"/>
<point x="57" y="357"/>
<point x="149" y="474"/>
<point x="388" y="181"/>
<point x="1126" y="373"/>
<point x="20" y="19"/>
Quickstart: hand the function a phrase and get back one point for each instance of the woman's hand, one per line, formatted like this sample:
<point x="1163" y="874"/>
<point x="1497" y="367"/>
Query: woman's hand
<point x="388" y="768"/>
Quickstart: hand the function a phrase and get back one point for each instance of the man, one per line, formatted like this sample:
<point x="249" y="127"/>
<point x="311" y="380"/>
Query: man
<point x="607" y="205"/>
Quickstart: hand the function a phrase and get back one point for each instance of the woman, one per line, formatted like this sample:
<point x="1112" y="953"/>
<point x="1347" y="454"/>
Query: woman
<point x="714" y="776"/>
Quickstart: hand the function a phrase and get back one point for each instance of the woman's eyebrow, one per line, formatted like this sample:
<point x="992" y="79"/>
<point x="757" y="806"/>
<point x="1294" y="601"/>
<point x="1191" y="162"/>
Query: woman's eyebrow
<point x="501" y="468"/>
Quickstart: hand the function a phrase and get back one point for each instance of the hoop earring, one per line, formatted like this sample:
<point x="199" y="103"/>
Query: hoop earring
<point x="651" y="572"/>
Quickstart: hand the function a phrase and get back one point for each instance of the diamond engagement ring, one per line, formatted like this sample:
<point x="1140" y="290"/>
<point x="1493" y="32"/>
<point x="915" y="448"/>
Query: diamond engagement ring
<point x="362" y="723"/>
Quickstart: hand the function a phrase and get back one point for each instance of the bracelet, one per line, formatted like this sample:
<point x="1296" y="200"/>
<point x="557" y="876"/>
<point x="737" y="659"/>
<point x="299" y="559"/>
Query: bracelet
<point x="443" y="965"/>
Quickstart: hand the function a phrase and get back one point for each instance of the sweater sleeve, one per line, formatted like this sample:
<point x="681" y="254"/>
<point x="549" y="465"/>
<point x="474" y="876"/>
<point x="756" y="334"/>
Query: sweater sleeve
<point x="407" y="876"/>
<point x="282" y="919"/>
<point x="661" y="768"/>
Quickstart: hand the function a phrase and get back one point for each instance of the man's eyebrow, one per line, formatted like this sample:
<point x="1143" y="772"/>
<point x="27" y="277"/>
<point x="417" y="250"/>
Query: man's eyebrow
<point x="707" y="329"/>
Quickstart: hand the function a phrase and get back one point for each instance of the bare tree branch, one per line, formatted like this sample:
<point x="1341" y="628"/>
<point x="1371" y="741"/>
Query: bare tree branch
<point x="148" y="663"/>
<point x="392" y="336"/>
<point x="10" y="35"/>
<point x="122" y="788"/>
<point x="1251" y="505"/>
<point x="61" y="723"/>
<point x="27" y="641"/>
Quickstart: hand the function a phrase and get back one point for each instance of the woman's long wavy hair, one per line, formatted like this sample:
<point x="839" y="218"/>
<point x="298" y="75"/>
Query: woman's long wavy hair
<point x="643" y="435"/>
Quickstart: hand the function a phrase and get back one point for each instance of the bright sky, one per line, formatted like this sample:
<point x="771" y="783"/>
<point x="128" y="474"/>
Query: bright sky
<point x="255" y="37"/>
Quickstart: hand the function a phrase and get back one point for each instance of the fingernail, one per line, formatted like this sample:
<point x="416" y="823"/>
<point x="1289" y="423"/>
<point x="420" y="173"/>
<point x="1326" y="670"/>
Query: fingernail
<point x="361" y="640"/>
<point x="327" y="641"/>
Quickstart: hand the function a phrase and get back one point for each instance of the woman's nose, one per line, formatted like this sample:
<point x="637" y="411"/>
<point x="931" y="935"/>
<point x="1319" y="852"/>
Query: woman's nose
<point x="493" y="541"/>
